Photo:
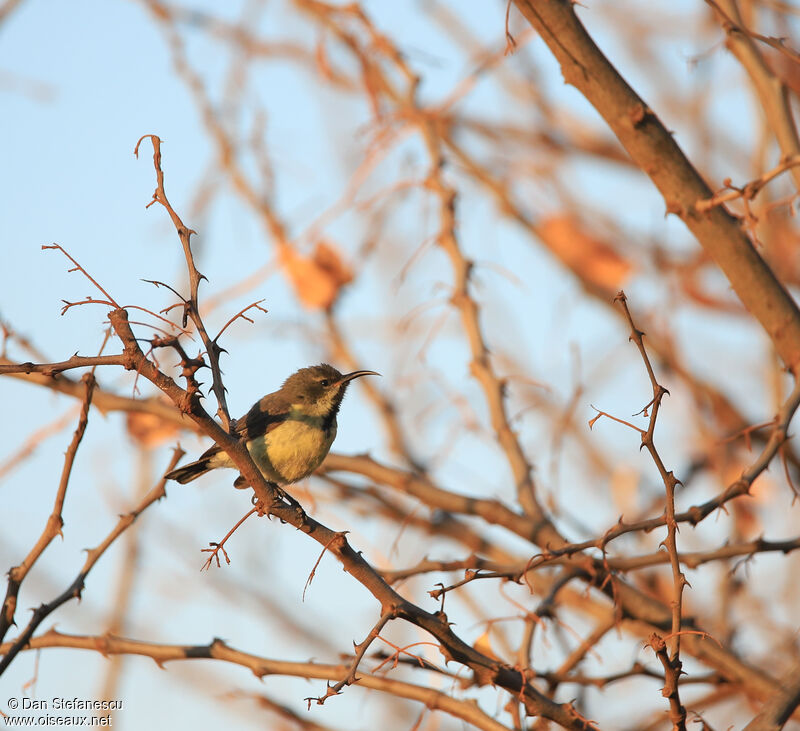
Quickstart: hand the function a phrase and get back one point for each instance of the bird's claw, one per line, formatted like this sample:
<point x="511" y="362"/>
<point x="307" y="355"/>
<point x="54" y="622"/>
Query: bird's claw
<point x="280" y="498"/>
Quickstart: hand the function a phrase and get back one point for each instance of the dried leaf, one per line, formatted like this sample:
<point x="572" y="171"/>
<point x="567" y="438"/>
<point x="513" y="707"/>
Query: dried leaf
<point x="625" y="489"/>
<point x="746" y="520"/>
<point x="783" y="249"/>
<point x="484" y="645"/>
<point x="317" y="279"/>
<point x="149" y="430"/>
<point x="593" y="260"/>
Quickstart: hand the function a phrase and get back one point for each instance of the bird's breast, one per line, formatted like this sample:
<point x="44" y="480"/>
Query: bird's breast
<point x="293" y="449"/>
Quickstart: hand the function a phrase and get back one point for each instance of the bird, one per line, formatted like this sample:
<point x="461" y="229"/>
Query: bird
<point x="288" y="432"/>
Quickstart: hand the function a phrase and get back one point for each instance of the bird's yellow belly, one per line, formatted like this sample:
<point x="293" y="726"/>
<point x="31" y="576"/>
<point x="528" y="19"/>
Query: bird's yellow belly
<point x="291" y="451"/>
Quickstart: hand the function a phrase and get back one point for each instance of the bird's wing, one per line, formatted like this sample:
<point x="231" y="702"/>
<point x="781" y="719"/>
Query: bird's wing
<point x="265" y="415"/>
<point x="262" y="418"/>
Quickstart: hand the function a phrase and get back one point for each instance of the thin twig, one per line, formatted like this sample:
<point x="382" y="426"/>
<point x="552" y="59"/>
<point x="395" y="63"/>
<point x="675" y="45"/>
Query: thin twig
<point x="360" y="649"/>
<point x="749" y="190"/>
<point x="670" y="482"/>
<point x="217" y="547"/>
<point x="55" y="521"/>
<point x="74" y="590"/>
<point x="191" y="305"/>
<point x="79" y="268"/>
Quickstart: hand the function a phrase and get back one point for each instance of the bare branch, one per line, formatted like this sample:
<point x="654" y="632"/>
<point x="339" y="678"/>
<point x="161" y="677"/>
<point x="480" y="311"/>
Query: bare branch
<point x="655" y="151"/>
<point x="217" y="650"/>
<point x="191" y="306"/>
<point x="54" y="522"/>
<point x="74" y="590"/>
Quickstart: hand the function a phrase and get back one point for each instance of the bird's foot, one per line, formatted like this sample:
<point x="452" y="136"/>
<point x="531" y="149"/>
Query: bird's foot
<point x="280" y="498"/>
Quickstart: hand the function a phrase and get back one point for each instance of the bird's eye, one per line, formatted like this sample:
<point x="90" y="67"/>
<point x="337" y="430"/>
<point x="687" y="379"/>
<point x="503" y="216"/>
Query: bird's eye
<point x="324" y="382"/>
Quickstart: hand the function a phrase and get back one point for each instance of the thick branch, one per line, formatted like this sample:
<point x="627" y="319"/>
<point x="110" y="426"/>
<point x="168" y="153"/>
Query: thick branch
<point x="50" y="376"/>
<point x="217" y="650"/>
<point x="655" y="151"/>
<point x="778" y="709"/>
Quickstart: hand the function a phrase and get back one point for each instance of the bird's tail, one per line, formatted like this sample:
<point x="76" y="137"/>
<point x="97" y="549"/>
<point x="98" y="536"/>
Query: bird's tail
<point x="189" y="472"/>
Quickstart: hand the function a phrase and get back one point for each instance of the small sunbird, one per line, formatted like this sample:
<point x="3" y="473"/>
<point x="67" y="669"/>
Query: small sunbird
<point x="288" y="432"/>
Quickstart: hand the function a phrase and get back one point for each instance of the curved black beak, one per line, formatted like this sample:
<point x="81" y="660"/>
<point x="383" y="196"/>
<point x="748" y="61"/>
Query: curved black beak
<point x="357" y="374"/>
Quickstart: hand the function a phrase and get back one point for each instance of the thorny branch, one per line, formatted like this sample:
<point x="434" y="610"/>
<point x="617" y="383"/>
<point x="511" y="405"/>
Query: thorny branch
<point x="217" y="650"/>
<point x="360" y="650"/>
<point x="191" y="305"/>
<point x="672" y="672"/>
<point x="670" y="483"/>
<point x="75" y="589"/>
<point x="55" y="521"/>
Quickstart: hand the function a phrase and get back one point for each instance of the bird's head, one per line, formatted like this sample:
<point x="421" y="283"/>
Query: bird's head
<point x="319" y="390"/>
